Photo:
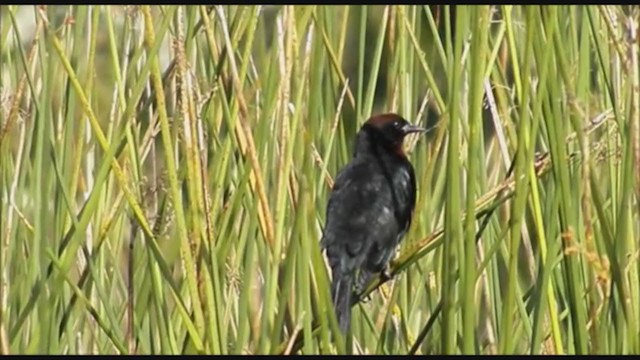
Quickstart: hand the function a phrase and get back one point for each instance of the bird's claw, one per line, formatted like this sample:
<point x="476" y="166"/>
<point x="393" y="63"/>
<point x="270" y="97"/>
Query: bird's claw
<point x="359" y="292"/>
<point x="385" y="274"/>
<point x="365" y="299"/>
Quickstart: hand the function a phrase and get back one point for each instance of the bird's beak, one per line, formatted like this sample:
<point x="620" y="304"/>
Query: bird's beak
<point x="408" y="129"/>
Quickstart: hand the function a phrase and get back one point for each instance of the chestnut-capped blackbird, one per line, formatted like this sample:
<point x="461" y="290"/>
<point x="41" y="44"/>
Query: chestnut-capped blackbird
<point x="369" y="209"/>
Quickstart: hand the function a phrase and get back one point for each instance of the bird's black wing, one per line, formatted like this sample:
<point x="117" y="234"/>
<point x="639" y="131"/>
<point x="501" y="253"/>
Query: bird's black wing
<point x="403" y="197"/>
<point x="405" y="187"/>
<point x="360" y="213"/>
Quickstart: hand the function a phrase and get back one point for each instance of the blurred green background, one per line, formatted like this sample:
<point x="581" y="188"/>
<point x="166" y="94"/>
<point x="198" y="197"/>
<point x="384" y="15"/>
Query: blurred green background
<point x="164" y="173"/>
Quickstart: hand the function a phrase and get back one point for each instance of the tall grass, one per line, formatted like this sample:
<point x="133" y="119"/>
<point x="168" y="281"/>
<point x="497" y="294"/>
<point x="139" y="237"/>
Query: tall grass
<point x="165" y="172"/>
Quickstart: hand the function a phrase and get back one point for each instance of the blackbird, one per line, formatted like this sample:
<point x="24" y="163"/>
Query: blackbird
<point x="369" y="209"/>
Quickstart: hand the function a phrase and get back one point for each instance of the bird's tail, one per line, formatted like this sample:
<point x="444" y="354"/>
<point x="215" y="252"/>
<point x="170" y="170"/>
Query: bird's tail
<point x="341" y="292"/>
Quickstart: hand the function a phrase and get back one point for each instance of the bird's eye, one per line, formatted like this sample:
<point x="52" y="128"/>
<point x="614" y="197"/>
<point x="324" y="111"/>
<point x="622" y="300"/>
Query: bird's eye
<point x="396" y="124"/>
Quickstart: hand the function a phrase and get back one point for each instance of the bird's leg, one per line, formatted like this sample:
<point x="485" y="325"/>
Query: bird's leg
<point x="365" y="299"/>
<point x="385" y="274"/>
<point x="365" y="277"/>
<point x="363" y="280"/>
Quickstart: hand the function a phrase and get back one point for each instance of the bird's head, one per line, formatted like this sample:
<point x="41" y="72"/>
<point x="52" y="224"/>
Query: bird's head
<point x="389" y="130"/>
